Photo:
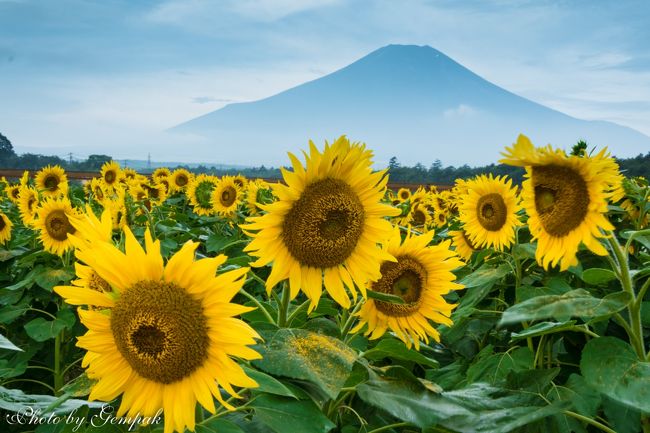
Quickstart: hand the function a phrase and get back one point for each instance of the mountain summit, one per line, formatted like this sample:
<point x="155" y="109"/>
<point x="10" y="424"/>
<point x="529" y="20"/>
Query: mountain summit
<point x="408" y="101"/>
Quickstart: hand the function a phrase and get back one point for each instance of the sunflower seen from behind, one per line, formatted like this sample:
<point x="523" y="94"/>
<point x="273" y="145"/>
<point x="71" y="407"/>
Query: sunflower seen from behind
<point x="53" y="223"/>
<point x="27" y="205"/>
<point x="421" y="276"/>
<point x="5" y="228"/>
<point x="324" y="228"/>
<point x="51" y="181"/>
<point x="200" y="194"/>
<point x="489" y="212"/>
<point x="161" y="336"/>
<point x="565" y="197"/>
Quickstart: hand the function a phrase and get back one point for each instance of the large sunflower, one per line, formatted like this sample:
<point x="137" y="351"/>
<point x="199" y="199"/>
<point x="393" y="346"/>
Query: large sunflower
<point x="489" y="212"/>
<point x="327" y="222"/>
<point x="226" y="197"/>
<point x="53" y="222"/>
<point x="421" y="275"/>
<point x="5" y="228"/>
<point x="565" y="198"/>
<point x="52" y="181"/>
<point x="161" y="336"/>
<point x="200" y="193"/>
<point x="27" y="204"/>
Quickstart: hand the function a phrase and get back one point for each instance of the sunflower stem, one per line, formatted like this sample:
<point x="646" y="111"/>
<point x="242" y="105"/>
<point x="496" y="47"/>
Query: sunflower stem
<point x="258" y="304"/>
<point x="389" y="427"/>
<point x="58" y="376"/>
<point x="588" y="420"/>
<point x="634" y="308"/>
<point x="284" y="305"/>
<point x="345" y="330"/>
<point x="297" y="311"/>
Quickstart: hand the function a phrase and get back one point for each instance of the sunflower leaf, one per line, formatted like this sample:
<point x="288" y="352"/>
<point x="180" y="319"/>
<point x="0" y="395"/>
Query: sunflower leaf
<point x="284" y="415"/>
<point x="385" y="297"/>
<point x="8" y="345"/>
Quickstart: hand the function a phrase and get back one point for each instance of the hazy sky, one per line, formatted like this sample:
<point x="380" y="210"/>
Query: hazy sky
<point x="89" y="76"/>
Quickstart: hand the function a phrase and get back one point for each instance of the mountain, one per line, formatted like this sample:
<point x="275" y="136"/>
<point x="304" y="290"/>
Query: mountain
<point x="412" y="102"/>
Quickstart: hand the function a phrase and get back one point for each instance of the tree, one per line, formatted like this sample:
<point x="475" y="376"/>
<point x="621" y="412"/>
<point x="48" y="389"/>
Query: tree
<point x="393" y="164"/>
<point x="6" y="148"/>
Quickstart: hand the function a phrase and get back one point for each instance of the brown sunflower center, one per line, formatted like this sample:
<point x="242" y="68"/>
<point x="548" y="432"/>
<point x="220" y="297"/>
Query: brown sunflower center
<point x="3" y="224"/>
<point x="58" y="226"/>
<point x="561" y="198"/>
<point x="51" y="182"/>
<point x="468" y="240"/>
<point x="228" y="196"/>
<point x="30" y="203"/>
<point x="181" y="180"/>
<point x="239" y="182"/>
<point x="419" y="217"/>
<point x="404" y="278"/>
<point x="15" y="193"/>
<point x="161" y="330"/>
<point x="404" y="195"/>
<point x="109" y="177"/>
<point x="95" y="282"/>
<point x="491" y="211"/>
<point x="324" y="225"/>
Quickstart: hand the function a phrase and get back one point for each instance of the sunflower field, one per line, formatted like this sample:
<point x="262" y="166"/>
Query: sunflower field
<point x="327" y="302"/>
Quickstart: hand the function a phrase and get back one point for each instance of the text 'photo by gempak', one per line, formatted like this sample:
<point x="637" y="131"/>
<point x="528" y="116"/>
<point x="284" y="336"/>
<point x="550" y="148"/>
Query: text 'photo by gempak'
<point x="293" y="266"/>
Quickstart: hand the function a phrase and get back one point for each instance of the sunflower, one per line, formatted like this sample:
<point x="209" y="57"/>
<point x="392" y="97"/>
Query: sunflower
<point x="240" y="181"/>
<point x="419" y="216"/>
<point x="565" y="198"/>
<point x="27" y="204"/>
<point x="179" y="179"/>
<point x="53" y="221"/>
<point x="421" y="275"/>
<point x="327" y="222"/>
<point x="161" y="336"/>
<point x="489" y="212"/>
<point x="13" y="193"/>
<point x="464" y="246"/>
<point x="97" y="188"/>
<point x="52" y="181"/>
<point x="160" y="172"/>
<point x="226" y="197"/>
<point x="5" y="228"/>
<point x="129" y="173"/>
<point x="440" y="219"/>
<point x="200" y="194"/>
<point x="156" y="194"/>
<point x="404" y="194"/>
<point x="111" y="174"/>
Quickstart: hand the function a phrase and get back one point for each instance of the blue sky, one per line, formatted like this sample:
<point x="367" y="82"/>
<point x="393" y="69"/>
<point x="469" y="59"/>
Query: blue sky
<point x="110" y="76"/>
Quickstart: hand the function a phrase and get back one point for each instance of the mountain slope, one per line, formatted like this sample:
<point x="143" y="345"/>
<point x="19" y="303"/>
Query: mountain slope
<point x="406" y="101"/>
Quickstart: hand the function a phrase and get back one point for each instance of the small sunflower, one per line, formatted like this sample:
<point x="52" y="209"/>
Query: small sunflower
<point x="226" y="197"/>
<point x="565" y="198"/>
<point x="160" y="173"/>
<point x="419" y="216"/>
<point x="489" y="212"/>
<point x="54" y="224"/>
<point x="404" y="194"/>
<point x="180" y="178"/>
<point x="13" y="193"/>
<point x="52" y="181"/>
<point x="325" y="225"/>
<point x="97" y="189"/>
<point x="240" y="181"/>
<point x="27" y="205"/>
<point x="464" y="246"/>
<point x="5" y="228"/>
<point x="111" y="174"/>
<point x="160" y="336"/>
<point x="200" y="194"/>
<point x="421" y="276"/>
<point x="156" y="193"/>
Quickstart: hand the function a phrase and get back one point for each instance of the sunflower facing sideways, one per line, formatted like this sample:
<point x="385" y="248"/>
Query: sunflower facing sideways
<point x="5" y="228"/>
<point x="464" y="246"/>
<point x="565" y="198"/>
<point x="226" y="197"/>
<point x="161" y="336"/>
<point x="27" y="204"/>
<point x="489" y="212"/>
<point x="51" y="181"/>
<point x="325" y="225"/>
<point x="53" y="222"/>
<point x="421" y="275"/>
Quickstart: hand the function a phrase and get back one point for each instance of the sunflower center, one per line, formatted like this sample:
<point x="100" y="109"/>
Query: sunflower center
<point x="109" y="177"/>
<point x="3" y="224"/>
<point x="15" y="193"/>
<point x="181" y="180"/>
<point x="561" y="198"/>
<point x="324" y="225"/>
<point x="491" y="211"/>
<point x="161" y="331"/>
<point x="228" y="196"/>
<point x="51" y="182"/>
<point x="404" y="195"/>
<point x="30" y="203"/>
<point x="58" y="226"/>
<point x="468" y="240"/>
<point x="404" y="278"/>
<point x="95" y="282"/>
<point x="419" y="218"/>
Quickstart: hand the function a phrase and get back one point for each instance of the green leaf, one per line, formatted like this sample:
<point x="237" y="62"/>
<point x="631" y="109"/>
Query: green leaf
<point x="576" y="303"/>
<point x="598" y="276"/>
<point x="42" y="330"/>
<point x="583" y="398"/>
<point x="301" y="354"/>
<point x="10" y="254"/>
<point x="15" y="400"/>
<point x="385" y="297"/>
<point x="286" y="415"/>
<point x="612" y="367"/>
<point x="268" y="384"/>
<point x="8" y="345"/>
<point x="218" y="425"/>
<point x="391" y="348"/>
<point x="542" y="328"/>
<point x="49" y="277"/>
<point x="486" y="274"/>
<point x="623" y="419"/>
<point x="536" y="380"/>
<point x="493" y="368"/>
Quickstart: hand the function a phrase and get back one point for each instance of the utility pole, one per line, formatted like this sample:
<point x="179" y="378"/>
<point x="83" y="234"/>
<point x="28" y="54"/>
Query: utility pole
<point x="70" y="158"/>
<point x="149" y="161"/>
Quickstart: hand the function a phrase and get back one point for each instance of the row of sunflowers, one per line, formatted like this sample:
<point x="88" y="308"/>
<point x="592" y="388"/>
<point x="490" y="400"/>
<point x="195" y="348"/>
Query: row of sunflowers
<point x="327" y="302"/>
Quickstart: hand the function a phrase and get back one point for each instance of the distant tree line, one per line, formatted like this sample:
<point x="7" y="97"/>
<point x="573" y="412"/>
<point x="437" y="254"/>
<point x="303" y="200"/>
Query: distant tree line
<point x="436" y="173"/>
